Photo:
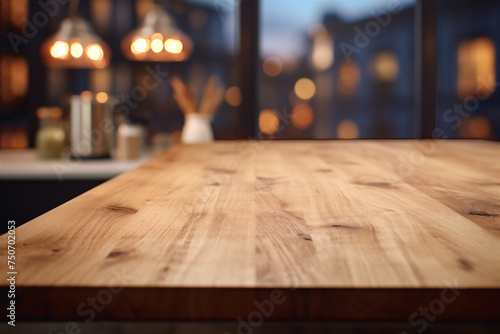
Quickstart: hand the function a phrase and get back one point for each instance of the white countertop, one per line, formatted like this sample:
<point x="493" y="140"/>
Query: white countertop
<point x="24" y="165"/>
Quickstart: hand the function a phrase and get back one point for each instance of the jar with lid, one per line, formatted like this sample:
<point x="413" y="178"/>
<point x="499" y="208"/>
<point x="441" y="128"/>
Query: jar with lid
<point x="50" y="138"/>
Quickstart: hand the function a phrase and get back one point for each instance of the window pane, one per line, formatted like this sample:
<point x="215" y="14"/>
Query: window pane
<point x="337" y="69"/>
<point x="468" y="41"/>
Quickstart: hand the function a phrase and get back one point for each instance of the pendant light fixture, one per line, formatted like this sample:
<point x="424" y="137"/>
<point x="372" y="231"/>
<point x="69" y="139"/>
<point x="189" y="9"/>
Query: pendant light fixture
<point x="75" y="44"/>
<point x="157" y="39"/>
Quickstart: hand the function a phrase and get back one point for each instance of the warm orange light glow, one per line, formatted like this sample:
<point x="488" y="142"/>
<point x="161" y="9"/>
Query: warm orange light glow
<point x="159" y="33"/>
<point x="302" y="116"/>
<point x="347" y="129"/>
<point x="14" y="74"/>
<point x="19" y="74"/>
<point x="272" y="66"/>
<point x="13" y="139"/>
<point x="268" y="122"/>
<point x="476" y="68"/>
<point x="305" y="88"/>
<point x="385" y="67"/>
<point x="173" y="46"/>
<point x="157" y="46"/>
<point x="86" y="95"/>
<point x="322" y="55"/>
<point x="476" y="127"/>
<point x="59" y="49"/>
<point x="95" y="52"/>
<point x="18" y="12"/>
<point x="140" y="45"/>
<point x="157" y="43"/>
<point x="76" y="50"/>
<point x="102" y="97"/>
<point x="233" y="96"/>
<point x="349" y="77"/>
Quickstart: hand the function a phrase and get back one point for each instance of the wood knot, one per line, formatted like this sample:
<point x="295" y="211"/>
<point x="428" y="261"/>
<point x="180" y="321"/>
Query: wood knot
<point x="305" y="237"/>
<point x="483" y="214"/>
<point x="465" y="264"/>
<point x="345" y="227"/>
<point x="116" y="254"/>
<point x="121" y="209"/>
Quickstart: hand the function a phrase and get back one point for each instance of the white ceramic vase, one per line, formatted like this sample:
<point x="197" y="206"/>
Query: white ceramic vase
<point x="197" y="129"/>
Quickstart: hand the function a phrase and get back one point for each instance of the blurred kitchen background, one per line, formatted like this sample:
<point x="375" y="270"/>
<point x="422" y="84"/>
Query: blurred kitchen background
<point x="305" y="81"/>
<point x="324" y="69"/>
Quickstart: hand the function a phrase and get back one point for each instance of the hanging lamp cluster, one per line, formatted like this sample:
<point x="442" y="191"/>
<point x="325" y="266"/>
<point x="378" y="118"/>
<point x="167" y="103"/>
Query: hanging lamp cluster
<point x="157" y="39"/>
<point x="76" y="45"/>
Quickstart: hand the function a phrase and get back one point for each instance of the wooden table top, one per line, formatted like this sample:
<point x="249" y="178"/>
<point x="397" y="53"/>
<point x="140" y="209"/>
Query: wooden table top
<point x="344" y="229"/>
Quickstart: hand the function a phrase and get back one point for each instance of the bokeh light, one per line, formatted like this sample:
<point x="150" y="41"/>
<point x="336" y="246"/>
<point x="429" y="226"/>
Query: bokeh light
<point x="268" y="122"/>
<point x="475" y="127"/>
<point x="347" y="129"/>
<point x="76" y="50"/>
<point x="272" y="66"/>
<point x="59" y="49"/>
<point x="476" y="67"/>
<point x="385" y="67"/>
<point x="86" y="95"/>
<point x="322" y="55"/>
<point x="95" y="52"/>
<point x="233" y="96"/>
<point x="157" y="43"/>
<point x="140" y="45"/>
<point x="302" y="116"/>
<point x="305" y="88"/>
<point x="102" y="97"/>
<point x="349" y="76"/>
<point x="173" y="46"/>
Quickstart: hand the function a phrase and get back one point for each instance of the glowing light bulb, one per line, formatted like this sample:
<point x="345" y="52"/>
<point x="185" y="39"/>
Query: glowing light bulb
<point x="94" y="52"/>
<point x="157" y="45"/>
<point x="76" y="50"/>
<point x="140" y="45"/>
<point x="173" y="46"/>
<point x="59" y="49"/>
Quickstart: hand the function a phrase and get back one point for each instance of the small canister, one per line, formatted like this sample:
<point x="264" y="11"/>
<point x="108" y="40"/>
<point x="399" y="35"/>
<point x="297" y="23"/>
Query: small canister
<point x="128" y="142"/>
<point x="92" y="126"/>
<point x="50" y="138"/>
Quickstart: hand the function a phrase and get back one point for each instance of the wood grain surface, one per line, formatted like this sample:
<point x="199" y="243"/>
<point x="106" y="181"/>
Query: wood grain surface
<point x="203" y="230"/>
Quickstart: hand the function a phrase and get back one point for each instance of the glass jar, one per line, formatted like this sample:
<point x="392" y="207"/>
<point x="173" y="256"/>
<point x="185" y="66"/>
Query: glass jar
<point x="50" y="138"/>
